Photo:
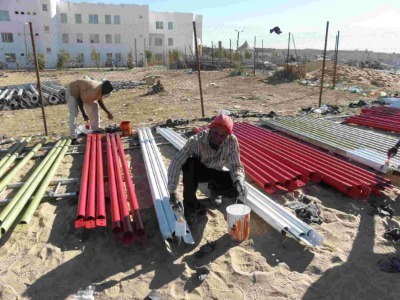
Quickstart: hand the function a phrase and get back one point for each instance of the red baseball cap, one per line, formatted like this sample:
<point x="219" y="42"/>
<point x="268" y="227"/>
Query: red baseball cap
<point x="223" y="121"/>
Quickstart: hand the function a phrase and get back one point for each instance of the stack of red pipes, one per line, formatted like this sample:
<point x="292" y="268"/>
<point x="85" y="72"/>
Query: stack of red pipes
<point x="381" y="117"/>
<point x="266" y="155"/>
<point x="92" y="174"/>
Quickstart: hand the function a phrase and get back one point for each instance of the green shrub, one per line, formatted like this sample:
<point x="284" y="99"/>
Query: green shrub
<point x="63" y="57"/>
<point x="129" y="63"/>
<point x="41" y="62"/>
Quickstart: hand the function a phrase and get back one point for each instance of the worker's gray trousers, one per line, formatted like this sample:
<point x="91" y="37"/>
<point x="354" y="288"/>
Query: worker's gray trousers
<point x="91" y="109"/>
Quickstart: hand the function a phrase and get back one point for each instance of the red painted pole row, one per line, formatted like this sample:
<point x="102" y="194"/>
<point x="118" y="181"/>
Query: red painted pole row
<point x="349" y="179"/>
<point x="385" y="118"/>
<point x="130" y="189"/>
<point x="101" y="202"/>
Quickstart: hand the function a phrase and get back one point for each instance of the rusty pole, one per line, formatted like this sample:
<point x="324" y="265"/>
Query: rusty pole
<point x="323" y="64"/>
<point x="287" y="57"/>
<point x="39" y="85"/>
<point x="336" y="59"/>
<point x="255" y="41"/>
<point x="230" y="55"/>
<point x="198" y="67"/>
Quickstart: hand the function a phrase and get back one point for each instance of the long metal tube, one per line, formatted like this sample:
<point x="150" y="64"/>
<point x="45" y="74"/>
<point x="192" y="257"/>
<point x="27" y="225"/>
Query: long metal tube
<point x="90" y="218"/>
<point x="9" y="214"/>
<point x="100" y="199"/>
<point x="130" y="189"/>
<point x="13" y="156"/>
<point x="116" y="225"/>
<point x="166" y="232"/>
<point x="123" y="205"/>
<point x="10" y="151"/>
<point x="81" y="211"/>
<point x="272" y="213"/>
<point x="27" y="216"/>
<point x="15" y="169"/>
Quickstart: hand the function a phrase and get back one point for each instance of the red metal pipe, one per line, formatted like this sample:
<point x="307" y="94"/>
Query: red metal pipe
<point x="130" y="189"/>
<point x="81" y="212"/>
<point x="112" y="186"/>
<point x="100" y="200"/>
<point x="123" y="205"/>
<point x="253" y="172"/>
<point x="90" y="220"/>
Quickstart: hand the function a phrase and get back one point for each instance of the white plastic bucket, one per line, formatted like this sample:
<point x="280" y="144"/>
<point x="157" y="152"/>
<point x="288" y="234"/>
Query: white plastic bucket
<point x="238" y="218"/>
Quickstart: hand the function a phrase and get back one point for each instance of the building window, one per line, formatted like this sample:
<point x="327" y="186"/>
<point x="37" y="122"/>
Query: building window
<point x="140" y="17"/>
<point x="4" y="16"/>
<point x="170" y="42"/>
<point x="159" y="25"/>
<point x="109" y="56"/>
<point x="48" y="50"/>
<point x="117" y="20"/>
<point x="7" y="37"/>
<point x="93" y="19"/>
<point x="107" y="19"/>
<point x="65" y="38"/>
<point x="28" y="13"/>
<point x="157" y="41"/>
<point x="108" y="39"/>
<point x="10" y="57"/>
<point x="117" y="39"/>
<point x="44" y="7"/>
<point x="94" y="39"/>
<point x="46" y="29"/>
<point x="78" y="19"/>
<point x="79" y="38"/>
<point x="118" y="57"/>
<point x="170" y="25"/>
<point x="64" y="18"/>
<point x="22" y="13"/>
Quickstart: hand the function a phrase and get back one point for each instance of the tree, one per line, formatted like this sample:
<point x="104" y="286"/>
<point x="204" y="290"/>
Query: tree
<point x="149" y="56"/>
<point x="95" y="56"/>
<point x="247" y="54"/>
<point x="80" y="59"/>
<point x="129" y="63"/>
<point x="221" y="53"/>
<point x="41" y="61"/>
<point x="63" y="57"/>
<point x="175" y="55"/>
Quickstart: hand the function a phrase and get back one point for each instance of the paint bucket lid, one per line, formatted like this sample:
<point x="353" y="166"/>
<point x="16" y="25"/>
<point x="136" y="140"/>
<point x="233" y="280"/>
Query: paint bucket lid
<point x="238" y="210"/>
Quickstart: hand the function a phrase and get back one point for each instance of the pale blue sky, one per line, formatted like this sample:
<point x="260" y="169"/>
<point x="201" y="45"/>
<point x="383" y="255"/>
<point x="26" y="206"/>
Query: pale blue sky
<point x="372" y="24"/>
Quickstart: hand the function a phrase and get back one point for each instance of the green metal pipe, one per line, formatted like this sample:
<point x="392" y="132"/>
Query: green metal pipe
<point x="10" y="151"/>
<point x="17" y="203"/>
<point x="27" y="216"/>
<point x="18" y="167"/>
<point x="13" y="157"/>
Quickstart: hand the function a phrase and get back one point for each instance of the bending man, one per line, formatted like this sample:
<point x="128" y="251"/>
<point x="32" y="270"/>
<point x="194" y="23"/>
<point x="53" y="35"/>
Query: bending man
<point x="88" y="96"/>
<point x="201" y="160"/>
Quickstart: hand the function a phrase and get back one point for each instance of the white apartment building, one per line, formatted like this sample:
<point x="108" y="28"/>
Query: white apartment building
<point x="112" y="30"/>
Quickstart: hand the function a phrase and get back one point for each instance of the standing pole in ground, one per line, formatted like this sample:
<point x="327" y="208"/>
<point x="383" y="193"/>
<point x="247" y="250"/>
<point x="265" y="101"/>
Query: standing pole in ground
<point x="323" y="65"/>
<point x="255" y="40"/>
<point x="230" y="55"/>
<point x="212" y="53"/>
<point x="262" y="50"/>
<point x="136" y="53"/>
<point x="39" y="85"/>
<point x="198" y="67"/>
<point x="287" y="56"/>
<point x="336" y="59"/>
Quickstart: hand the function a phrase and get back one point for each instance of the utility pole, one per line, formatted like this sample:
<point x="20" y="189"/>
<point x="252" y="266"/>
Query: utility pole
<point x="237" y="42"/>
<point x="26" y="45"/>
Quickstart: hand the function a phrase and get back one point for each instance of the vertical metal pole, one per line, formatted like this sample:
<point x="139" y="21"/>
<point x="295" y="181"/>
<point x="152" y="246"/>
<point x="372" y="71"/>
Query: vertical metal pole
<point x="26" y="46"/>
<point x="198" y="67"/>
<point x="255" y="41"/>
<point x="39" y="85"/>
<point x="230" y="55"/>
<point x="335" y="63"/>
<point x="144" y="53"/>
<point x="287" y="56"/>
<point x="212" y="53"/>
<point x="323" y="65"/>
<point x="237" y="42"/>
<point x="262" y="50"/>
<point x="136" y="53"/>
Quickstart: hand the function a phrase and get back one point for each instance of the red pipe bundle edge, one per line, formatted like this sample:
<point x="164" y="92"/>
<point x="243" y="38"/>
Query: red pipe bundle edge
<point x="115" y="215"/>
<point x="131" y="190"/>
<point x="90" y="220"/>
<point x="100" y="204"/>
<point x="81" y="212"/>
<point x="123" y="205"/>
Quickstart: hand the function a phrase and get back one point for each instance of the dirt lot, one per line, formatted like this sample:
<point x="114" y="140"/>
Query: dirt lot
<point x="181" y="98"/>
<point x="50" y="259"/>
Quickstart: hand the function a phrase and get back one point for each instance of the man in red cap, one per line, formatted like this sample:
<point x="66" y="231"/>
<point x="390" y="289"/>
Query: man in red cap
<point x="202" y="160"/>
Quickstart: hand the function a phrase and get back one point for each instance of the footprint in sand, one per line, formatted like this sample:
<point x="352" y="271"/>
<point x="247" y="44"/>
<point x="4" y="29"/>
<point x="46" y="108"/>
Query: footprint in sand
<point x="113" y="292"/>
<point x="245" y="262"/>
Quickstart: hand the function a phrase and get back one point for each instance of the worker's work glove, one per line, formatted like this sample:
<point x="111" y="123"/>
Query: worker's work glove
<point x="176" y="205"/>
<point x="241" y="188"/>
<point x="392" y="152"/>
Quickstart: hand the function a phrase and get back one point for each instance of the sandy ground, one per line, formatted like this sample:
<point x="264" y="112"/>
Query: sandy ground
<point x="50" y="259"/>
